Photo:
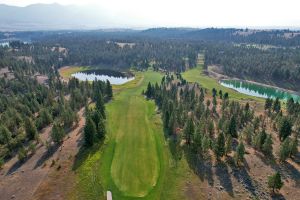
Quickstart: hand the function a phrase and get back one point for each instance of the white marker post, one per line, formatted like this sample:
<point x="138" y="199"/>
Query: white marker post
<point x="108" y="195"/>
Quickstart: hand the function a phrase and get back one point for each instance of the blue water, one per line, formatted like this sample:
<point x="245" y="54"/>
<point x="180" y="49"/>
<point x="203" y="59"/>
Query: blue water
<point x="257" y="90"/>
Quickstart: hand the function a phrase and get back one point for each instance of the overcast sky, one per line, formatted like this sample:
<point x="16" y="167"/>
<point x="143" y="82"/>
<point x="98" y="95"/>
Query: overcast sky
<point x="194" y="13"/>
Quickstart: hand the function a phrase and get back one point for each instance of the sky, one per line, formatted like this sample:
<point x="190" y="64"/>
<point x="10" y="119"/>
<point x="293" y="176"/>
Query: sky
<point x="193" y="13"/>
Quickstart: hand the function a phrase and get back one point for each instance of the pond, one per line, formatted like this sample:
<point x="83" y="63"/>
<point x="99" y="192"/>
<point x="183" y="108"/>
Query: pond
<point x="114" y="77"/>
<point x="4" y="44"/>
<point x="258" y="90"/>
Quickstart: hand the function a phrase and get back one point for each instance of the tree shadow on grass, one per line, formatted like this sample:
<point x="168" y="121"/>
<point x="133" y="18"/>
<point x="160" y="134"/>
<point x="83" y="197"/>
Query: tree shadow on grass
<point x="84" y="153"/>
<point x="224" y="177"/>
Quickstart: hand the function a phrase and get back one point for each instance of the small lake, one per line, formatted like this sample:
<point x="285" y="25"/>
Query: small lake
<point x="257" y="90"/>
<point x="114" y="77"/>
<point x="4" y="44"/>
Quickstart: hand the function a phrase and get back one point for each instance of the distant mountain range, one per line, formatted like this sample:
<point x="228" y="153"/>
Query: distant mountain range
<point x="53" y="17"/>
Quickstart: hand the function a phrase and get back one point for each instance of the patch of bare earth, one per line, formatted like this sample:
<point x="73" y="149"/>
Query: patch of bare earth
<point x="46" y="174"/>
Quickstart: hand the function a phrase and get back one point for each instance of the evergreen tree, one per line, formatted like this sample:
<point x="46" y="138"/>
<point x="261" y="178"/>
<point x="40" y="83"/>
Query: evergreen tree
<point x="293" y="147"/>
<point x="219" y="147"/>
<point x="30" y="129"/>
<point x="109" y="91"/>
<point x="277" y="105"/>
<point x="101" y="130"/>
<point x="89" y="132"/>
<point x="205" y="145"/>
<point x="149" y="91"/>
<point x="57" y="133"/>
<point x="284" y="151"/>
<point x="100" y="105"/>
<point x="5" y="137"/>
<point x="285" y="129"/>
<point x="189" y="130"/>
<point x="268" y="104"/>
<point x="220" y="94"/>
<point x="239" y="154"/>
<point x="275" y="182"/>
<point x="290" y="106"/>
<point x="267" y="146"/>
<point x="228" y="145"/>
<point x="232" y="129"/>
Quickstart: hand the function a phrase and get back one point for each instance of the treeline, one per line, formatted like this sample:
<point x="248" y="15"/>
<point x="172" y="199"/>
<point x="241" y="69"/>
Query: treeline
<point x="126" y="52"/>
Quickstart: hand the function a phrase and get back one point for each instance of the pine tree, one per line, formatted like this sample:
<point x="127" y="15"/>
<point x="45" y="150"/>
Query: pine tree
<point x="189" y="130"/>
<point x="109" y="91"/>
<point x="149" y="91"/>
<point x="232" y="129"/>
<point x="285" y="129"/>
<point x="267" y="146"/>
<point x="228" y="145"/>
<point x="284" y="151"/>
<point x="219" y="147"/>
<point x="277" y="105"/>
<point x="290" y="106"/>
<point x="275" y="182"/>
<point x="57" y="133"/>
<point x="205" y="145"/>
<point x="268" y="104"/>
<point x="89" y="132"/>
<point x="293" y="147"/>
<point x="30" y="129"/>
<point x="101" y="130"/>
<point x="100" y="105"/>
<point x="5" y="136"/>
<point x="239" y="154"/>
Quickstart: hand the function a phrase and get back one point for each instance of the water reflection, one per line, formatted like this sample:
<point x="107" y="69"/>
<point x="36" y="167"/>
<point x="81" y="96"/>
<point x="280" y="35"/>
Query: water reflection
<point x="257" y="90"/>
<point x="114" y="77"/>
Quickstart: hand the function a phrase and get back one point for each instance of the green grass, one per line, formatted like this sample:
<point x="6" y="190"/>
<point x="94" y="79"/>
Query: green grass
<point x="196" y="75"/>
<point x="134" y="162"/>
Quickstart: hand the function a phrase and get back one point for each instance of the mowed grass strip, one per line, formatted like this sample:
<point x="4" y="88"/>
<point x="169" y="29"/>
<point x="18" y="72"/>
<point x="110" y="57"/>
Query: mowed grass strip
<point x="135" y="165"/>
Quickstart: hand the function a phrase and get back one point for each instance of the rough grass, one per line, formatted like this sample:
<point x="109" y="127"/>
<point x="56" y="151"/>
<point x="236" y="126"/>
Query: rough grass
<point x="196" y="75"/>
<point x="66" y="72"/>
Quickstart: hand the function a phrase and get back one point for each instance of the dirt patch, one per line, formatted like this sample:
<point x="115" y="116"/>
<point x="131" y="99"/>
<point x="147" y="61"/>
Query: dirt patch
<point x="61" y="177"/>
<point x="38" y="177"/>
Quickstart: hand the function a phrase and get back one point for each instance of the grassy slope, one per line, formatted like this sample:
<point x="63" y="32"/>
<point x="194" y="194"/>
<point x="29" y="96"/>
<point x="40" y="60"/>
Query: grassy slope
<point x="134" y="152"/>
<point x="197" y="75"/>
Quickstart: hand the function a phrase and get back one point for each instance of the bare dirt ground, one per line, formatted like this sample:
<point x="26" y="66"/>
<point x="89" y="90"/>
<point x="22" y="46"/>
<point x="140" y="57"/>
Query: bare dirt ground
<point x="44" y="175"/>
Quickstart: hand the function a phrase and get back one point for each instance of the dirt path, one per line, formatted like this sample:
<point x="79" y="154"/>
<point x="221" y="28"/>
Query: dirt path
<point x="22" y="181"/>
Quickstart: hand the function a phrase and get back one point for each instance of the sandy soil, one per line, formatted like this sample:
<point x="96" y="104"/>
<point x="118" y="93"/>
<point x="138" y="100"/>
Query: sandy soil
<point x="38" y="178"/>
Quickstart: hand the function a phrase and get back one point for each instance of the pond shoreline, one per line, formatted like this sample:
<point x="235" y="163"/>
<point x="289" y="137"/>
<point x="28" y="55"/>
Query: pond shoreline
<point x="220" y="77"/>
